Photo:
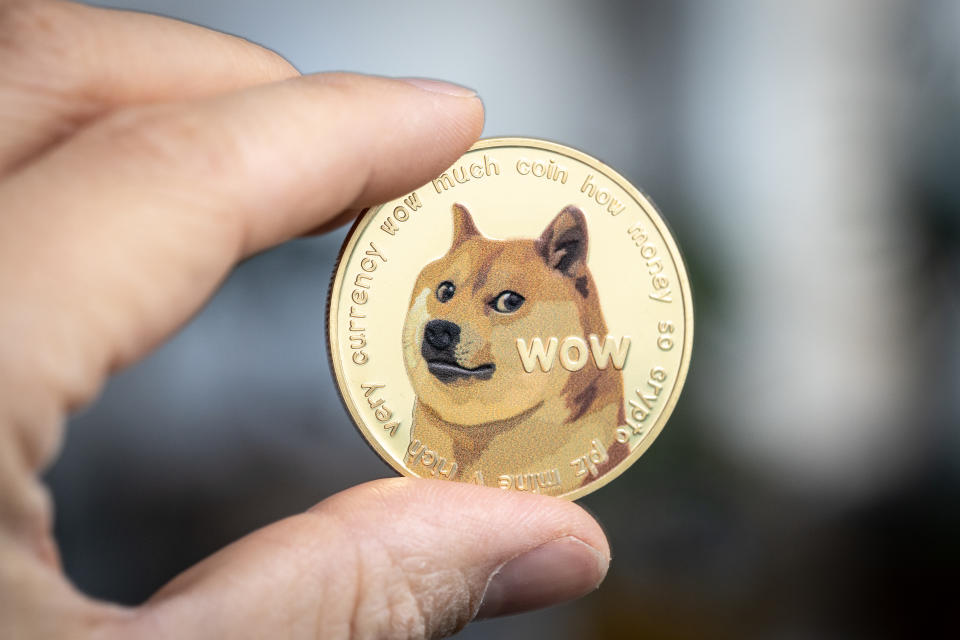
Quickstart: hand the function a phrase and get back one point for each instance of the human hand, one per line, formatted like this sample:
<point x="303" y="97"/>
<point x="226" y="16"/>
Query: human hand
<point x="140" y="159"/>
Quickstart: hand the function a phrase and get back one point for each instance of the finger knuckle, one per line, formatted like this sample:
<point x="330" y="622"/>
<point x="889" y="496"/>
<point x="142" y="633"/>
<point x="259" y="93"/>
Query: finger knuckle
<point x="255" y="59"/>
<point x="414" y="598"/>
<point x="273" y="65"/>
<point x="143" y="132"/>
<point x="165" y="137"/>
<point x="34" y="30"/>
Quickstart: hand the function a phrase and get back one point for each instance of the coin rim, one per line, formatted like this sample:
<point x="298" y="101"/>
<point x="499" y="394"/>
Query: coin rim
<point x="336" y="284"/>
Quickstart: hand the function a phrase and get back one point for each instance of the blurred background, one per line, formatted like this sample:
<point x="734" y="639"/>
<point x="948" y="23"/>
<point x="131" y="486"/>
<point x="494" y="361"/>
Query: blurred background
<point x="806" y="155"/>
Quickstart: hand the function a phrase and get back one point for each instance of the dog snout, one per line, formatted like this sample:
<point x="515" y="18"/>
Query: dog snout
<point x="441" y="335"/>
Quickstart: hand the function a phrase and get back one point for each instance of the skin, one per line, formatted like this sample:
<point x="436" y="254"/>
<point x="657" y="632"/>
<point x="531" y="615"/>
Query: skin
<point x="130" y="184"/>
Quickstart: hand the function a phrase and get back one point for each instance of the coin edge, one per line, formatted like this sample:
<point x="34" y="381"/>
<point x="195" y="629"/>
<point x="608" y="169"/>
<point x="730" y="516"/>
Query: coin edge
<point x="666" y="232"/>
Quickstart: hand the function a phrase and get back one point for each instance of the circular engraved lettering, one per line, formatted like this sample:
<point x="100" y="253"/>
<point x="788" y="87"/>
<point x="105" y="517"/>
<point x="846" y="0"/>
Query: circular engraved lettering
<point x="522" y="321"/>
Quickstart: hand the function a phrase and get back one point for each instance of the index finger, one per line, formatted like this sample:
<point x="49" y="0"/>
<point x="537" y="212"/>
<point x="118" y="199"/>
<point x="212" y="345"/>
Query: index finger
<point x="114" y="239"/>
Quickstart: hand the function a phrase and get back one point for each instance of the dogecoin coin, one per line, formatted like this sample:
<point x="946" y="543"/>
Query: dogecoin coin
<point x="522" y="321"/>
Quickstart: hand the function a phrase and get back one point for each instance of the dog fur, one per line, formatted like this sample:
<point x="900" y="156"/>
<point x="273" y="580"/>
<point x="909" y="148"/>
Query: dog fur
<point x="524" y="422"/>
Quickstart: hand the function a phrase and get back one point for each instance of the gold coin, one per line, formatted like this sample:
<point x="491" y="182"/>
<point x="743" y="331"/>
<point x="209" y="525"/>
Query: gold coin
<point x="523" y="321"/>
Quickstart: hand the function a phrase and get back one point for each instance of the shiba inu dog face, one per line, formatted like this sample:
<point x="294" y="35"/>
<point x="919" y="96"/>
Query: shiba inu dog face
<point x="469" y="307"/>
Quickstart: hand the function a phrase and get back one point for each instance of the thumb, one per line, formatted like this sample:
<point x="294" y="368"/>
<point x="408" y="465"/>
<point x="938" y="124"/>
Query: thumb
<point x="400" y="558"/>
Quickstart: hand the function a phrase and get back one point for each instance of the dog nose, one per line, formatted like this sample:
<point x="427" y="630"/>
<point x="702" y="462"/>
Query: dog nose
<point x="441" y="334"/>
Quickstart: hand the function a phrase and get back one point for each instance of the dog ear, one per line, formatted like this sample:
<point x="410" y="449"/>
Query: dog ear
<point x="463" y="225"/>
<point x="563" y="243"/>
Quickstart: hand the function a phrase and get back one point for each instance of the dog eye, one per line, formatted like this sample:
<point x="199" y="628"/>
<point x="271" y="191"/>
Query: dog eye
<point x="507" y="301"/>
<point x="445" y="291"/>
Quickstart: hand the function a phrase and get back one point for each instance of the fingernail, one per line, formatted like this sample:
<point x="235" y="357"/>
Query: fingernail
<point x="555" y="572"/>
<point x="438" y="86"/>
